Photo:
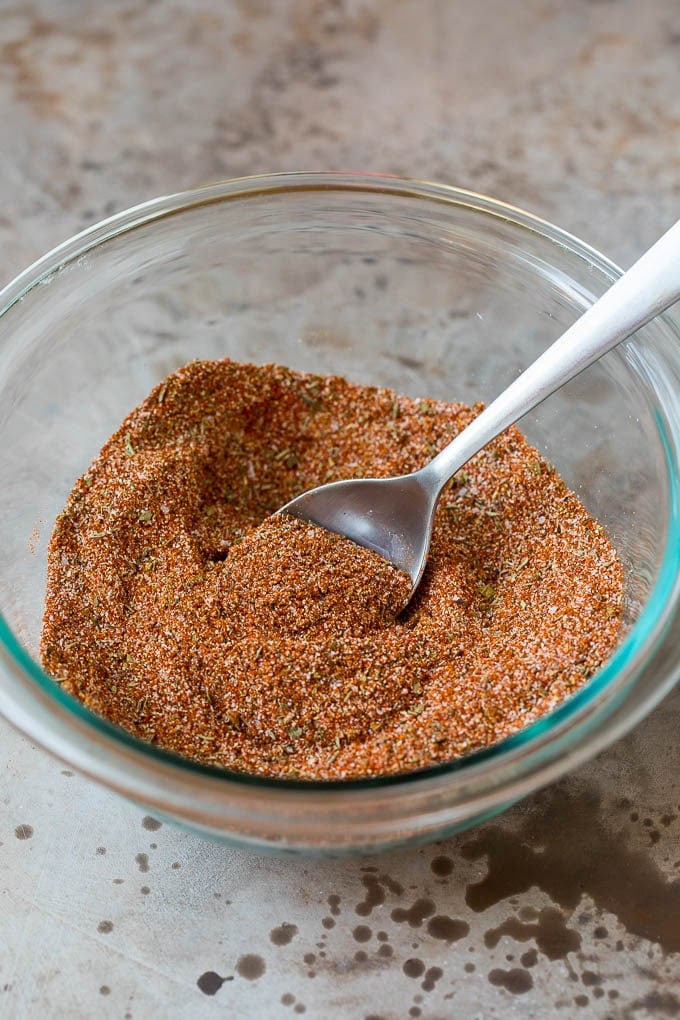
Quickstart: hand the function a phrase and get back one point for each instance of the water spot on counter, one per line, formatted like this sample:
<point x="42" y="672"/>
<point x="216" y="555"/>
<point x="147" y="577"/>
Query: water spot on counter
<point x="382" y="936"/>
<point x="142" y="862"/>
<point x="517" y="981"/>
<point x="23" y="831"/>
<point x="374" y="897"/>
<point x="581" y="1000"/>
<point x="101" y="850"/>
<point x="394" y="887"/>
<point x="175" y="865"/>
<point x="328" y="922"/>
<point x="469" y="968"/>
<point x="284" y="934"/>
<point x="657" y="1003"/>
<point x="361" y="956"/>
<point x="287" y="999"/>
<point x="153" y="846"/>
<point x="105" y="927"/>
<point x="309" y="958"/>
<point x="334" y="904"/>
<point x="530" y="958"/>
<point x="413" y="968"/>
<point x="415" y="914"/>
<point x="151" y="824"/>
<point x="415" y="1012"/>
<point x="441" y="866"/>
<point x="118" y="881"/>
<point x="144" y="890"/>
<point x="299" y="1007"/>
<point x="377" y="887"/>
<point x="104" y="990"/>
<point x="432" y="976"/>
<point x="598" y="992"/>
<point x="210" y="982"/>
<point x="552" y="936"/>
<point x="448" y="929"/>
<point x="385" y="951"/>
<point x="565" y="849"/>
<point x="251" y="967"/>
<point x="590" y="978"/>
<point x="362" y="933"/>
<point x="66" y="772"/>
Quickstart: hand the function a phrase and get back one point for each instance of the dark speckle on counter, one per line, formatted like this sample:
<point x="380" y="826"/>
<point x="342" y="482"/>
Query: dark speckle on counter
<point x="284" y="934"/>
<point x="516" y="980"/>
<point x="415" y="914"/>
<point x="210" y="982"/>
<point x="448" y="929"/>
<point x="151" y="824"/>
<point x="142" y="862"/>
<point x="441" y="866"/>
<point x="250" y="966"/>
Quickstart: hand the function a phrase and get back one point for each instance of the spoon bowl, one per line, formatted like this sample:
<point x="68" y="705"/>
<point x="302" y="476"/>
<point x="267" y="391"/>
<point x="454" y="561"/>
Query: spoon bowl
<point x="391" y="516"/>
<point x="394" y="516"/>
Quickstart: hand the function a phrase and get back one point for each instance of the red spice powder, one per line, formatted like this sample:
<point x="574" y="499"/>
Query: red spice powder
<point x="274" y="647"/>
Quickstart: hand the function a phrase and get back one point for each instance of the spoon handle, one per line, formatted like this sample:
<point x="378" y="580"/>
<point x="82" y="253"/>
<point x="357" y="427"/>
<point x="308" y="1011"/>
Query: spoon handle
<point x="650" y="286"/>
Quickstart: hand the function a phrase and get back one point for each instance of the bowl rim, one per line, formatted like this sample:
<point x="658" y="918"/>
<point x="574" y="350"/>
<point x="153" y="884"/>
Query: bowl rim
<point x="539" y="745"/>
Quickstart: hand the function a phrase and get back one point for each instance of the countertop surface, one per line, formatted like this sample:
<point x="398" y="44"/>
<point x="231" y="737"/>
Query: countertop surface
<point x="570" y="902"/>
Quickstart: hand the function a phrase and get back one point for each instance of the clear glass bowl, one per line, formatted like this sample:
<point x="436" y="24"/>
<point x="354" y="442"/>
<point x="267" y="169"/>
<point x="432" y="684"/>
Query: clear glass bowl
<point x="434" y="291"/>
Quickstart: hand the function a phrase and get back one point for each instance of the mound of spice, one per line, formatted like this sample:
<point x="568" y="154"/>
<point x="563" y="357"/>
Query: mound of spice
<point x="178" y="608"/>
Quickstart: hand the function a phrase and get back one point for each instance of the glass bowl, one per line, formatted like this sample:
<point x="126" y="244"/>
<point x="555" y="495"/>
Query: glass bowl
<point x="431" y="290"/>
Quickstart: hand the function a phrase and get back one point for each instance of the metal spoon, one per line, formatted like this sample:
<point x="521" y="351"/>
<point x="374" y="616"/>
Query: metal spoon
<point x="393" y="516"/>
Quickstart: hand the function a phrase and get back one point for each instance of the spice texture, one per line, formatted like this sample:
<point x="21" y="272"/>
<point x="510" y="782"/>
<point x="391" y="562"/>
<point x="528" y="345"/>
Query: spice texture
<point x="181" y="610"/>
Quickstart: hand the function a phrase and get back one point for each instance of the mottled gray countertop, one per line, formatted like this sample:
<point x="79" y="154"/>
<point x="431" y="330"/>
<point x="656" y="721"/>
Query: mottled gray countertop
<point x="569" y="904"/>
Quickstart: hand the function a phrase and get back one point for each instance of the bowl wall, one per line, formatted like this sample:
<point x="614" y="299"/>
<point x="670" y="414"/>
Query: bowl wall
<point x="431" y="291"/>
